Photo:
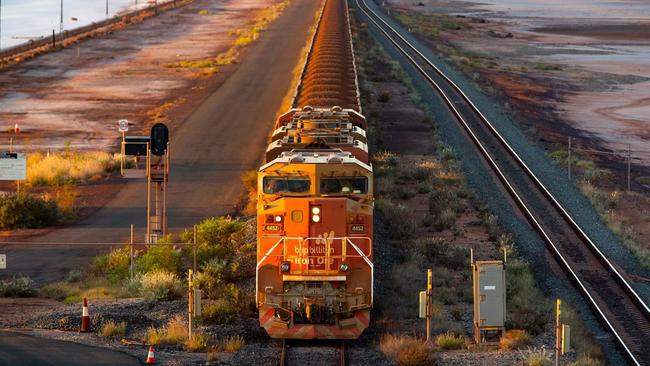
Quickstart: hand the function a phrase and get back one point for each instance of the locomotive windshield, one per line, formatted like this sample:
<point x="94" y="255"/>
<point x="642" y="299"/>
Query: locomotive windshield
<point x="279" y="185"/>
<point x="344" y="185"/>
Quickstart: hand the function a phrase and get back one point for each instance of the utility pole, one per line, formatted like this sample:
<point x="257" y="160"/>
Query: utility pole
<point x="0" y="24"/>
<point x="106" y="9"/>
<point x="61" y="19"/>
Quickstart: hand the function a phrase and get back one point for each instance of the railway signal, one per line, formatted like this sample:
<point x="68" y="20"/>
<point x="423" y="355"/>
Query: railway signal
<point x="155" y="148"/>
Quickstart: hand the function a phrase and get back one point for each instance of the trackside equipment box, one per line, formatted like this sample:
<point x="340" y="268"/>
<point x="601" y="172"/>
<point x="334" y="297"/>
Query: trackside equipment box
<point x="489" y="282"/>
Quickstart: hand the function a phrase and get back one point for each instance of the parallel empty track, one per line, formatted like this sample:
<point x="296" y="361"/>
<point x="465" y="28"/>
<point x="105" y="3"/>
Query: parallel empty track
<point x="603" y="285"/>
<point x="329" y="76"/>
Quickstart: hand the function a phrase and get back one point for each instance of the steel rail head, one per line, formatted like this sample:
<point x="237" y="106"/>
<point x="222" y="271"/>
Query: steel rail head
<point x="491" y="161"/>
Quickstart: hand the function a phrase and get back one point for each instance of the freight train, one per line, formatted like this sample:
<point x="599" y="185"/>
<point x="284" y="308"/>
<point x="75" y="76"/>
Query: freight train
<point x="314" y="275"/>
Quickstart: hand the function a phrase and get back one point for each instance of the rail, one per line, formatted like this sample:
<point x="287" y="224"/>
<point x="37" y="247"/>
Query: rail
<point x="518" y="199"/>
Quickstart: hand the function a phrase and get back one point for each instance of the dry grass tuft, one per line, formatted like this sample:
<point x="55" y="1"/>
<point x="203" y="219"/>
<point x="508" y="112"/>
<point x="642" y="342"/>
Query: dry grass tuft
<point x="199" y="343"/>
<point x="514" y="339"/>
<point x="407" y="351"/>
<point x="113" y="329"/>
<point x="537" y="357"/>
<point x="175" y="332"/>
<point x="68" y="167"/>
<point x="449" y="340"/>
<point x="233" y="344"/>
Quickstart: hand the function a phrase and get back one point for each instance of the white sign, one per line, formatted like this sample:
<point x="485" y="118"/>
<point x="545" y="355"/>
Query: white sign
<point x="489" y="288"/>
<point x="3" y="261"/>
<point x="123" y="125"/>
<point x="13" y="166"/>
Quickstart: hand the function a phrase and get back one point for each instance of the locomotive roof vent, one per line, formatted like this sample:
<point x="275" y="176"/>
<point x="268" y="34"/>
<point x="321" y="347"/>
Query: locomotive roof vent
<point x="307" y="108"/>
<point x="296" y="159"/>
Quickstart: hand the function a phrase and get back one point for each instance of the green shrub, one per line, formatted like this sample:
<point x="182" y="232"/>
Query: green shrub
<point x="160" y="285"/>
<point x="444" y="220"/>
<point x="161" y="256"/>
<point x="217" y="237"/>
<point x="450" y="341"/>
<point x="17" y="287"/>
<point x="115" y="265"/>
<point x="528" y="309"/>
<point x="396" y="217"/>
<point x="220" y="312"/>
<point x="25" y="211"/>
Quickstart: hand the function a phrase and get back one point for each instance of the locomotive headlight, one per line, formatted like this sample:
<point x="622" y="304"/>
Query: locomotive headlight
<point x="344" y="267"/>
<point x="315" y="210"/>
<point x="278" y="218"/>
<point x="315" y="218"/>
<point x="285" y="266"/>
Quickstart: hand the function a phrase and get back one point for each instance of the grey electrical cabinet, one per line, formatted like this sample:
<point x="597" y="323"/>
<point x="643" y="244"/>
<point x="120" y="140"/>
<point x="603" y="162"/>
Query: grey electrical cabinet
<point x="489" y="281"/>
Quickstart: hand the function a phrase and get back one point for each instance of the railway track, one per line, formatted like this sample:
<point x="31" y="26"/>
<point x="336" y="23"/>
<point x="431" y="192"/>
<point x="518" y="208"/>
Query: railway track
<point x="311" y="354"/>
<point x="603" y="285"/>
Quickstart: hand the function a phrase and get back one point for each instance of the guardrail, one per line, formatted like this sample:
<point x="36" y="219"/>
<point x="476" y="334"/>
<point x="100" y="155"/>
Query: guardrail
<point x="57" y="38"/>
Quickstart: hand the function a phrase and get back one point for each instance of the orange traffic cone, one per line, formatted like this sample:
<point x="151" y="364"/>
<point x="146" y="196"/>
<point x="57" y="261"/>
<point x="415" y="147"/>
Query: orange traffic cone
<point x="150" y="357"/>
<point x="85" y="319"/>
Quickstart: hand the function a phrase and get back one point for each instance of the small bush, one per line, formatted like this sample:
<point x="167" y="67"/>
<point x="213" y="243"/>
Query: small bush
<point x="407" y="351"/>
<point x="233" y="344"/>
<point x="220" y="312"/>
<point x="25" y="211"/>
<point x="115" y="265"/>
<point x="160" y="285"/>
<point x="113" y="329"/>
<point x="217" y="237"/>
<point x="539" y="357"/>
<point x="17" y="287"/>
<point x="396" y="218"/>
<point x="384" y="96"/>
<point x="444" y="220"/>
<point x="450" y="341"/>
<point x="175" y="332"/>
<point x="161" y="256"/>
<point x="514" y="339"/>
<point x="527" y="307"/>
<point x="198" y="343"/>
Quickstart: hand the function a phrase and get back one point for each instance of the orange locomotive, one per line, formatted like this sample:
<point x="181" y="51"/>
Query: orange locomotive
<point x="314" y="226"/>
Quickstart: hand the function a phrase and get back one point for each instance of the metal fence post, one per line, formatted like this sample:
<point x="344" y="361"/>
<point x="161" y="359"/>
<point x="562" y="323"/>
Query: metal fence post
<point x="569" y="158"/>
<point x="190" y="302"/>
<point x="194" y="246"/>
<point x="429" y="302"/>
<point x="558" y="331"/>
<point x="629" y="167"/>
<point x="132" y="252"/>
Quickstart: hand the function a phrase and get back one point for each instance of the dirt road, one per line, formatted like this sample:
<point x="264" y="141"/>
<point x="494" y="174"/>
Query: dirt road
<point x="224" y="136"/>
